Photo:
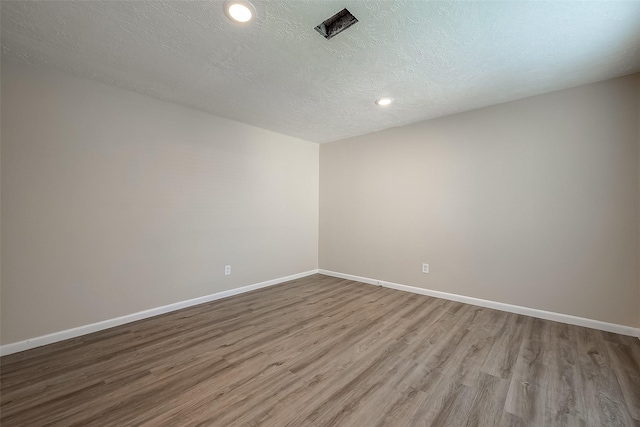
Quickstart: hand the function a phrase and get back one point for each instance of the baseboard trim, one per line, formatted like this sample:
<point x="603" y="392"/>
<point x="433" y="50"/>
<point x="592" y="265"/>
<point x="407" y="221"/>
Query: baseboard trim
<point x="533" y="312"/>
<point x="110" y="323"/>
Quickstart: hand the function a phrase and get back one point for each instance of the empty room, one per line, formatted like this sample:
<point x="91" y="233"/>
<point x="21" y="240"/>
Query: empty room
<point x="320" y="213"/>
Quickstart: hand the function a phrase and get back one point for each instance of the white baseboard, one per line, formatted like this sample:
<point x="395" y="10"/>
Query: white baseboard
<point x="106" y="324"/>
<point x="533" y="312"/>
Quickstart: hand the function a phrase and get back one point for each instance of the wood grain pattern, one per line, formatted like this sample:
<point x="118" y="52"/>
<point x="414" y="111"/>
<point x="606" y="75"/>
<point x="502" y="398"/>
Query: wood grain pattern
<point x="321" y="351"/>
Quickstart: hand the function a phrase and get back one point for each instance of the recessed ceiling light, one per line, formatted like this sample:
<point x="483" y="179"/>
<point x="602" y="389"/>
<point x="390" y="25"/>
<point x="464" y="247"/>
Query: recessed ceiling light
<point x="239" y="10"/>
<point x="384" y="101"/>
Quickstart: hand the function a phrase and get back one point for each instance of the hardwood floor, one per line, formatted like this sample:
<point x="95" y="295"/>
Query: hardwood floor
<point x="322" y="351"/>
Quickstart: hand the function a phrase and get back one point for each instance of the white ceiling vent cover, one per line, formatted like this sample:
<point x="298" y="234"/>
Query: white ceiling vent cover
<point x="336" y="24"/>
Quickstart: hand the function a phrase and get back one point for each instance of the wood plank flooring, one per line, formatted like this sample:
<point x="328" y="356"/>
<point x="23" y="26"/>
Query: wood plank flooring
<point x="321" y="351"/>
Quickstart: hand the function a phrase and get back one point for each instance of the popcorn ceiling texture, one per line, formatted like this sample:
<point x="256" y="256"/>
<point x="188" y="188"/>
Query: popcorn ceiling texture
<point x="278" y="73"/>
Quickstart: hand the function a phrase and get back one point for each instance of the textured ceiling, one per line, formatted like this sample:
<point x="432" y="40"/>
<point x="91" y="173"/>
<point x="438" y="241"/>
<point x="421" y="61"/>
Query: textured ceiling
<point x="278" y="73"/>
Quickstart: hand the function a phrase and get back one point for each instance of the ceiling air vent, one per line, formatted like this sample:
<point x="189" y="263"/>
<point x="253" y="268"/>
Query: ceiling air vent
<point x="336" y="24"/>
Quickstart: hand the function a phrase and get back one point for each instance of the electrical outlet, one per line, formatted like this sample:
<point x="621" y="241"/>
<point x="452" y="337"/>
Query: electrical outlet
<point x="227" y="270"/>
<point x="425" y="268"/>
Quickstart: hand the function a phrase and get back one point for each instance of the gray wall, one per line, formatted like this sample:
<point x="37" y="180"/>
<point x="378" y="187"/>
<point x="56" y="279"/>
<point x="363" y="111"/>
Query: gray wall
<point x="113" y="203"/>
<point x="533" y="203"/>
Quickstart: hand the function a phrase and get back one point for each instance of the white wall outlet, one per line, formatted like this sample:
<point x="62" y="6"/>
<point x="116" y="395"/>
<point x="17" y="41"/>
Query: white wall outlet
<point x="227" y="270"/>
<point x="425" y="268"/>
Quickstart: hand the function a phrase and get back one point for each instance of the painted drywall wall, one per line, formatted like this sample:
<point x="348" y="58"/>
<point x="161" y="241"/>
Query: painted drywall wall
<point x="533" y="202"/>
<point x="0" y="201"/>
<point x="113" y="203"/>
